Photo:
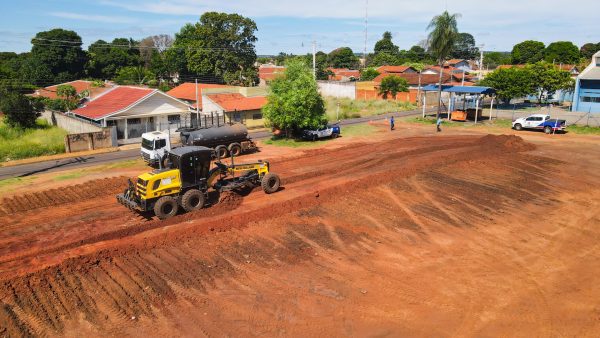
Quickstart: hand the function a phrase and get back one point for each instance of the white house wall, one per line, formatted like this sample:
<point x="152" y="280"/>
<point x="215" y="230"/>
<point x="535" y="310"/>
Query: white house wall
<point x="157" y="104"/>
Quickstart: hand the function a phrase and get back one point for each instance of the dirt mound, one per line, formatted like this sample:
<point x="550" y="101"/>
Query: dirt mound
<point x="69" y="194"/>
<point x="510" y="143"/>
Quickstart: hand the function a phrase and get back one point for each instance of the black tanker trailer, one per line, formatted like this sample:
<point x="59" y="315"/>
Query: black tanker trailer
<point x="226" y="139"/>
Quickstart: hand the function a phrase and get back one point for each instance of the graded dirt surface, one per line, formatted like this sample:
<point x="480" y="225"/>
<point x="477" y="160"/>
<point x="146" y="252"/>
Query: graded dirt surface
<point x="433" y="235"/>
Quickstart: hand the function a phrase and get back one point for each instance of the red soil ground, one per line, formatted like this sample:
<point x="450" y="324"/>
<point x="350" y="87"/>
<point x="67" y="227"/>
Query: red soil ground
<point x="463" y="235"/>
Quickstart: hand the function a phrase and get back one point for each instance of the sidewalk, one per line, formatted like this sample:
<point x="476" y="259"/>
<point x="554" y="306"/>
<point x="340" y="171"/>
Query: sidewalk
<point x="58" y="157"/>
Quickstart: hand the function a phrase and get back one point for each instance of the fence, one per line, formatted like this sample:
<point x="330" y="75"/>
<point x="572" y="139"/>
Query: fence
<point x="577" y="118"/>
<point x="337" y="89"/>
<point x="71" y="124"/>
<point x="130" y="131"/>
<point x="90" y="141"/>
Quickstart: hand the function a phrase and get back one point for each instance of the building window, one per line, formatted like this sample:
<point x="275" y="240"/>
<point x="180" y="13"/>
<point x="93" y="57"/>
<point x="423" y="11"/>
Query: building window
<point x="257" y="116"/>
<point x="590" y="99"/>
<point x="134" y="121"/>
<point x="174" y="119"/>
<point x="237" y="117"/>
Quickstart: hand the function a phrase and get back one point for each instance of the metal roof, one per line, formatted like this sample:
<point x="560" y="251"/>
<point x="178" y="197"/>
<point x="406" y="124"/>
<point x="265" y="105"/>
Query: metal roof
<point x="591" y="74"/>
<point x="461" y="89"/>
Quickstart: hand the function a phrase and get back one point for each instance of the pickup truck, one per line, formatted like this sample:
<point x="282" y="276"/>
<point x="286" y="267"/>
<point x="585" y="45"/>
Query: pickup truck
<point x="328" y="131"/>
<point x="539" y="122"/>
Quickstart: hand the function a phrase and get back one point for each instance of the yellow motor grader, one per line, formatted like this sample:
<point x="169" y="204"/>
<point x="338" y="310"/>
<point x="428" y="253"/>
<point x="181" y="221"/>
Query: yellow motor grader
<point x="186" y="181"/>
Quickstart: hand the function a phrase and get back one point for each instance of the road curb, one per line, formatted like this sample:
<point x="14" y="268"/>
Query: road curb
<point x="57" y="157"/>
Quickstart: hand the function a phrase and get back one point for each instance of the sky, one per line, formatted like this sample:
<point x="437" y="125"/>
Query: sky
<point x="291" y="26"/>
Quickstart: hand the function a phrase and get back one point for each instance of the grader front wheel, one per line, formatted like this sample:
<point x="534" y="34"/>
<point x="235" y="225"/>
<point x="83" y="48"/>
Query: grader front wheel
<point x="270" y="183"/>
<point x="166" y="207"/>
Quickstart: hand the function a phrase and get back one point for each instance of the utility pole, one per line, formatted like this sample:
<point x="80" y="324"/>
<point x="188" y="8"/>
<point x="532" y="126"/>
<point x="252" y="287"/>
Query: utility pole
<point x="197" y="103"/>
<point x="314" y="45"/>
<point x="366" y="32"/>
<point x="481" y="63"/>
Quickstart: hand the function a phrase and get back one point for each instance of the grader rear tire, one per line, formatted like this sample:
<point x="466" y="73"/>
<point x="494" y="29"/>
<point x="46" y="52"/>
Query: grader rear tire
<point x="270" y="183"/>
<point x="166" y="207"/>
<point x="192" y="200"/>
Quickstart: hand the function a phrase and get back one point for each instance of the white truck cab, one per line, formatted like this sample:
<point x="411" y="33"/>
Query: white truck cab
<point x="154" y="146"/>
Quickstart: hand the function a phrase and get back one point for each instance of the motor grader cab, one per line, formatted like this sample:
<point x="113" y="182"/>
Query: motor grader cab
<point x="186" y="181"/>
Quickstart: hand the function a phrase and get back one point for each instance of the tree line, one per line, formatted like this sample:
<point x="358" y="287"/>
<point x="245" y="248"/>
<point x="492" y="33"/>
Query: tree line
<point x="542" y="79"/>
<point x="218" y="48"/>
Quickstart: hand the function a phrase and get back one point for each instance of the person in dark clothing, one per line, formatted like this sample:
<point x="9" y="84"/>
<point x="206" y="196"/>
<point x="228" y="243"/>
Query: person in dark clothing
<point x="392" y="123"/>
<point x="439" y="124"/>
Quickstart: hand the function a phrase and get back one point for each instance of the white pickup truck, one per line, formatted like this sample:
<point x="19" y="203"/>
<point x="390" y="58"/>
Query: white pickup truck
<point x="539" y="122"/>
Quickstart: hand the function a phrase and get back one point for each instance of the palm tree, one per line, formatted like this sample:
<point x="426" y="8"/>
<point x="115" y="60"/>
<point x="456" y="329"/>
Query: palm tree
<point x="441" y="39"/>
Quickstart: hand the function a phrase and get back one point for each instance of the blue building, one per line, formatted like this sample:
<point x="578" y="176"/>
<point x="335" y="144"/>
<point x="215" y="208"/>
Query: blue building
<point x="587" y="88"/>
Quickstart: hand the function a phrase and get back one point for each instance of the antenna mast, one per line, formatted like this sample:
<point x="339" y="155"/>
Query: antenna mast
<point x="366" y="31"/>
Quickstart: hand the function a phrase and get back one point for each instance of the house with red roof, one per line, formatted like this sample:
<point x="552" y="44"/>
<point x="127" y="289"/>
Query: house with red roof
<point x="461" y="64"/>
<point x="79" y="85"/>
<point x="268" y="72"/>
<point x="343" y="74"/>
<point x="238" y="104"/>
<point x="133" y="111"/>
<point x="189" y="92"/>
<point x="370" y="89"/>
<point x="396" y="69"/>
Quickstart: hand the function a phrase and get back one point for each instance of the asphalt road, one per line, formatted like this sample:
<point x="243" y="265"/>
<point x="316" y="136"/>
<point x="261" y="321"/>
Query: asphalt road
<point x="91" y="160"/>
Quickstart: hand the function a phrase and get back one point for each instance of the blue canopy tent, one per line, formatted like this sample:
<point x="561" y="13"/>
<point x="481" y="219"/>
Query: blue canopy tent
<point x="469" y="90"/>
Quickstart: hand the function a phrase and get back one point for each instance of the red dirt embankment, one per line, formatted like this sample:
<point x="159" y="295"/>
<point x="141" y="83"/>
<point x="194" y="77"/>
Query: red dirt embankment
<point x="420" y="236"/>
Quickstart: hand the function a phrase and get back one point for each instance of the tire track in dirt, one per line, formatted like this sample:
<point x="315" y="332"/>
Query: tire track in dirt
<point x="70" y="194"/>
<point x="131" y="281"/>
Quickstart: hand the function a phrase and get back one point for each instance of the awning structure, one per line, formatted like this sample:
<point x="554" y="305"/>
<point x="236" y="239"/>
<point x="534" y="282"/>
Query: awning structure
<point x="463" y="90"/>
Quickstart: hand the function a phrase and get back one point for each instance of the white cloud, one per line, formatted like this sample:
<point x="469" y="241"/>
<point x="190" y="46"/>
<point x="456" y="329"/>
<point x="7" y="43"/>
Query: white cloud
<point x="90" y="17"/>
<point x="402" y="10"/>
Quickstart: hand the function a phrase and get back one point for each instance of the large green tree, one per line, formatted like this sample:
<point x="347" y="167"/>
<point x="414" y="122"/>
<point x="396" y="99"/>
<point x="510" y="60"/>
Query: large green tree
<point x="464" y="47"/>
<point x="442" y="36"/>
<point x="343" y="58"/>
<point x="107" y="58"/>
<point x="385" y="45"/>
<point x="294" y="101"/>
<point x="20" y="111"/>
<point x="368" y="74"/>
<point x="589" y="49"/>
<point x="60" y="52"/>
<point x="528" y="52"/>
<point x="220" y="45"/>
<point x="510" y="83"/>
<point x="562" y="52"/>
<point x="495" y="59"/>
<point x="548" y="79"/>
<point x="320" y="62"/>
<point x="134" y="75"/>
<point x="392" y="85"/>
<point x="416" y="54"/>
<point x="384" y="59"/>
